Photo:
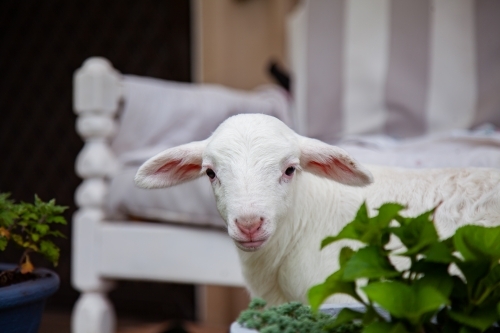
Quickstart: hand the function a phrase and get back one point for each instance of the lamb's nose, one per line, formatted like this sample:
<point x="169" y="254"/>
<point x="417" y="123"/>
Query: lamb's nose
<point x="250" y="224"/>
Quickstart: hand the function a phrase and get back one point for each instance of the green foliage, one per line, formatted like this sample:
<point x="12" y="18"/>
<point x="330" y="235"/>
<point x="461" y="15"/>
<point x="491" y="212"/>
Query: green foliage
<point x="425" y="297"/>
<point x="291" y="317"/>
<point x="30" y="225"/>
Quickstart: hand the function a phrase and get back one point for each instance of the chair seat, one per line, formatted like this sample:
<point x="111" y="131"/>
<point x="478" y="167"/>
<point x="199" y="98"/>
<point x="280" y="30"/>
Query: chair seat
<point x="455" y="149"/>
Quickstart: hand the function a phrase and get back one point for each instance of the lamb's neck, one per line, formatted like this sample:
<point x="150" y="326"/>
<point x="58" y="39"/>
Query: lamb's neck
<point x="263" y="266"/>
<point x="266" y="264"/>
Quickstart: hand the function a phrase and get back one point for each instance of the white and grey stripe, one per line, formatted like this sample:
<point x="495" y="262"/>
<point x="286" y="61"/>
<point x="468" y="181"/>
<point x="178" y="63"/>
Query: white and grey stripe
<point x="407" y="77"/>
<point x="327" y="64"/>
<point x="366" y="49"/>
<point x="400" y="67"/>
<point x="452" y="85"/>
<point x="487" y="21"/>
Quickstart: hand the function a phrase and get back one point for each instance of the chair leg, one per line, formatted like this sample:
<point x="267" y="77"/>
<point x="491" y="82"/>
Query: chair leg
<point x="93" y="313"/>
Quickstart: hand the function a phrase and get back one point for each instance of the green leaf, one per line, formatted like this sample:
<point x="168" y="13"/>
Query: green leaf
<point x="30" y="216"/>
<point x="487" y="285"/>
<point x="480" y="318"/>
<point x="56" y="219"/>
<point x="473" y="272"/>
<point x="7" y="214"/>
<point x="376" y="231"/>
<point x="459" y="294"/>
<point x="369" y="262"/>
<point x="35" y="237"/>
<point x="440" y="280"/>
<point x="370" y="315"/>
<point x="373" y="231"/>
<point x="352" y="230"/>
<point x="381" y="327"/>
<point x="404" y="301"/>
<point x="42" y="229"/>
<point x="428" y="267"/>
<point x="439" y="252"/>
<point x="50" y="251"/>
<point x="478" y="243"/>
<point x="386" y="213"/>
<point x="403" y="220"/>
<point x="348" y="232"/>
<point x="3" y="243"/>
<point x="56" y="233"/>
<point x="332" y="285"/>
<point x="362" y="214"/>
<point x="418" y="233"/>
<point x="38" y="201"/>
<point x="465" y="329"/>
<point x="17" y="238"/>
<point x="395" y="297"/>
<point x="346" y="315"/>
<point x="449" y="243"/>
<point x="345" y="255"/>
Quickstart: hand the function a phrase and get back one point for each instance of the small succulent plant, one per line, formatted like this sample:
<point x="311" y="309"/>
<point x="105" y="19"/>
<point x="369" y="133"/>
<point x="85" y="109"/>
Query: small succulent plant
<point x="292" y="317"/>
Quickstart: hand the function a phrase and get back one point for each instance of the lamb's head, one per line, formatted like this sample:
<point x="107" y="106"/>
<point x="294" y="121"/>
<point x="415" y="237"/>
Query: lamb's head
<point x="252" y="161"/>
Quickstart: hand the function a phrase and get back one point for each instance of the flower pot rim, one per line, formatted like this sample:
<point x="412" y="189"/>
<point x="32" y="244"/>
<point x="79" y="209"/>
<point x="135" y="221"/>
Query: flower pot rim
<point x="28" y="291"/>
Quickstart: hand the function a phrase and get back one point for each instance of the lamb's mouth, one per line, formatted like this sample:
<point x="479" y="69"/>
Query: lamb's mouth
<point x="250" y="246"/>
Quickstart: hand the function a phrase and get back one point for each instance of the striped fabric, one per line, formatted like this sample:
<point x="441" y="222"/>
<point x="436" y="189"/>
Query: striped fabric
<point x="399" y="67"/>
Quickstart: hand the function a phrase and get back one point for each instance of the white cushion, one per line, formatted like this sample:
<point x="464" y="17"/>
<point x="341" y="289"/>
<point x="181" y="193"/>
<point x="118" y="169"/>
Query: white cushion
<point x="188" y="203"/>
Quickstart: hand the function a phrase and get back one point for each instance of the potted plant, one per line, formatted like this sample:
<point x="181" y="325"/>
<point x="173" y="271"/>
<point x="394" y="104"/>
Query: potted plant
<point x="425" y="297"/>
<point x="24" y="289"/>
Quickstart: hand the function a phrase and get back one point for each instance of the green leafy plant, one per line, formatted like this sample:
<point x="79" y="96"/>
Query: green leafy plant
<point x="426" y="297"/>
<point x="30" y="226"/>
<point x="291" y="317"/>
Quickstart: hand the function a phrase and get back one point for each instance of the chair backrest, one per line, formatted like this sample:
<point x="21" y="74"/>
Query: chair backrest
<point x="398" y="67"/>
<point x="159" y="114"/>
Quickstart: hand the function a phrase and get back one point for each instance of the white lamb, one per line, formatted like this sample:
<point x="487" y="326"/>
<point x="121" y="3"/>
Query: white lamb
<point x="281" y="193"/>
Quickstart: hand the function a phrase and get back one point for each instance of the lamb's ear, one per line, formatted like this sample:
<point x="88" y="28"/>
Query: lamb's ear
<point x="172" y="166"/>
<point x="332" y="162"/>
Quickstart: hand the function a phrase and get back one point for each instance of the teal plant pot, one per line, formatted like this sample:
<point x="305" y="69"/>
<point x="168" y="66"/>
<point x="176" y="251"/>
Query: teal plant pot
<point x="22" y="304"/>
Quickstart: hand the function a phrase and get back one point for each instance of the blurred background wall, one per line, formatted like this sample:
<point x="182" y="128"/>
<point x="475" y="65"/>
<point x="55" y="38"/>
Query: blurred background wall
<point x="236" y="39"/>
<point x="41" y="44"/>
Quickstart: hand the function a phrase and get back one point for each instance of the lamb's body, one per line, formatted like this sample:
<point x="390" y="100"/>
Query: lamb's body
<point x="284" y="270"/>
<point x="281" y="194"/>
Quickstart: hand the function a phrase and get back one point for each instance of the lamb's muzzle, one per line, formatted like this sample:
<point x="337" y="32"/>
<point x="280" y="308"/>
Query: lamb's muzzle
<point x="250" y="236"/>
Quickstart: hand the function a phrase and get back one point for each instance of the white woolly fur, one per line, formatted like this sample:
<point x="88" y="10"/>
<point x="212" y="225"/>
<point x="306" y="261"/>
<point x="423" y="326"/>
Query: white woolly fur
<point x="250" y="156"/>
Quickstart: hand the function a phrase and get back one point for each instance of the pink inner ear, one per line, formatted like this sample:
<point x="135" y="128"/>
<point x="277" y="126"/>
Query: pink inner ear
<point x="342" y="166"/>
<point x="178" y="171"/>
<point x="333" y="166"/>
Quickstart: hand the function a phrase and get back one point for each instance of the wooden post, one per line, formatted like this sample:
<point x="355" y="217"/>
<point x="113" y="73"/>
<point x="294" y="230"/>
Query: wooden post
<point x="97" y="93"/>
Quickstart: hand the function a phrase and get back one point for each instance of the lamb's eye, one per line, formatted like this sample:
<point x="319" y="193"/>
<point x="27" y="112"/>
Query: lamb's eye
<point x="289" y="171"/>
<point x="210" y="173"/>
